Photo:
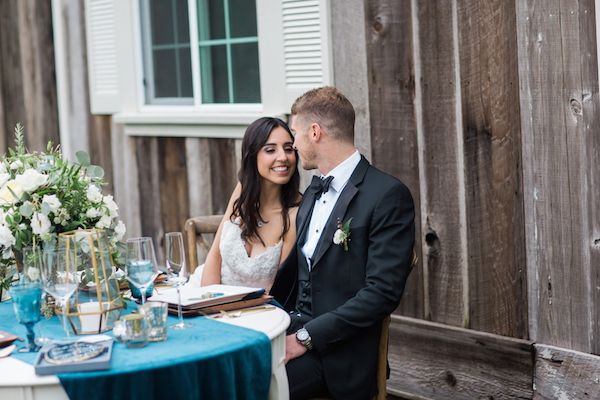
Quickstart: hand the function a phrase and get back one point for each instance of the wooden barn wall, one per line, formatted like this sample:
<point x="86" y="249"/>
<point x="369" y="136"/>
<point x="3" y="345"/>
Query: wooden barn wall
<point x="561" y="147"/>
<point x="27" y="74"/>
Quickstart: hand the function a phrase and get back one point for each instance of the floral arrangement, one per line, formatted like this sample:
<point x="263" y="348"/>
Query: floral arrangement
<point x="42" y="194"/>
<point x="341" y="237"/>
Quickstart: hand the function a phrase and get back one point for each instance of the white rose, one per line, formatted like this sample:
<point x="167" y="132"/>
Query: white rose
<point x="52" y="201"/>
<point x="10" y="193"/>
<point x="120" y="230"/>
<point x="338" y="236"/>
<point x="92" y="213"/>
<point x="16" y="164"/>
<point x="40" y="224"/>
<point x="111" y="205"/>
<point x="7" y="240"/>
<point x="104" y="222"/>
<point x="4" y="177"/>
<point x="31" y="179"/>
<point x="93" y="194"/>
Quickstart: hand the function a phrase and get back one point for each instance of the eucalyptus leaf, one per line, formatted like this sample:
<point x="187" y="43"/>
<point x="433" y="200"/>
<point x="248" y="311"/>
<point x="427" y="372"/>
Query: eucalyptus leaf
<point x="83" y="158"/>
<point x="95" y="171"/>
<point x="45" y="209"/>
<point x="26" y="210"/>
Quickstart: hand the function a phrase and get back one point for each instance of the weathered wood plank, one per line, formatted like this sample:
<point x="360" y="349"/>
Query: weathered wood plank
<point x="435" y="361"/>
<point x="565" y="374"/>
<point x="393" y="126"/>
<point x="348" y="38"/>
<point x="559" y="117"/>
<point x="442" y="196"/>
<point x="198" y="174"/>
<point x="148" y="168"/>
<point x="174" y="197"/>
<point x="492" y="154"/>
<point x="100" y="146"/>
<point x="223" y="173"/>
<point x="38" y="85"/>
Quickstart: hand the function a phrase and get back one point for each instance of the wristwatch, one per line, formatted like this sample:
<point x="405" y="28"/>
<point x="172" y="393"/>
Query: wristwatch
<point x="303" y="337"/>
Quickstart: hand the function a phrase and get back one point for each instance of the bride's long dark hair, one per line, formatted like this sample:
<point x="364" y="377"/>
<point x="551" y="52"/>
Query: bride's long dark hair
<point x="247" y="206"/>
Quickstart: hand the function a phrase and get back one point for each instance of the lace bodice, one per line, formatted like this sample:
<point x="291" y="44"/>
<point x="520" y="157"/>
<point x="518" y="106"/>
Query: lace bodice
<point x="237" y="268"/>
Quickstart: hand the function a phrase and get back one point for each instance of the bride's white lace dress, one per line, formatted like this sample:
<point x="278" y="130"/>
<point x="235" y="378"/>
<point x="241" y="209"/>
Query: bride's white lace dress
<point x="239" y="269"/>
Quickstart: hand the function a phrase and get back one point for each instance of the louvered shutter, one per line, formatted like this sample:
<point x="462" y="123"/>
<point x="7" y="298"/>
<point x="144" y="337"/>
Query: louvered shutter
<point x="306" y="46"/>
<point x="103" y="66"/>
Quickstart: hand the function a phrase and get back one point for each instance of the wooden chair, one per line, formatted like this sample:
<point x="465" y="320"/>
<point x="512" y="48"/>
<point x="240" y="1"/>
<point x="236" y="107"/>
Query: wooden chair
<point x="196" y="227"/>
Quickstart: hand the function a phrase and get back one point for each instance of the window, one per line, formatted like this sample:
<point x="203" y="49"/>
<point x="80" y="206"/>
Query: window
<point x="224" y="39"/>
<point x="203" y="68"/>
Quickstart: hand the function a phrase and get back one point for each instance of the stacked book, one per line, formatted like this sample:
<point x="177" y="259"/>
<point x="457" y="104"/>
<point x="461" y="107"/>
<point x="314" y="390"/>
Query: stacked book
<point x="211" y="299"/>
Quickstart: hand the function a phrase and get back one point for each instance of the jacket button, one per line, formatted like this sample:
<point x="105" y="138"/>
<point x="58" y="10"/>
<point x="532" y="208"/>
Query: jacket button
<point x="304" y="295"/>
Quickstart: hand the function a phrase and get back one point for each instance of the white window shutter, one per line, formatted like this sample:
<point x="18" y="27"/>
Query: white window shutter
<point x="306" y="43"/>
<point x="103" y="68"/>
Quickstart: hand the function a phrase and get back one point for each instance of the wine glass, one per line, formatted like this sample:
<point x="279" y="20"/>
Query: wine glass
<point x="177" y="273"/>
<point x="60" y="277"/>
<point x="32" y="261"/>
<point x="27" y="301"/>
<point x="140" y="266"/>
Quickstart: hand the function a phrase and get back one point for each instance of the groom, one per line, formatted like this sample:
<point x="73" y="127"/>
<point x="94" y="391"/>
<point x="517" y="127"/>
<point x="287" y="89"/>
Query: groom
<point x="355" y="236"/>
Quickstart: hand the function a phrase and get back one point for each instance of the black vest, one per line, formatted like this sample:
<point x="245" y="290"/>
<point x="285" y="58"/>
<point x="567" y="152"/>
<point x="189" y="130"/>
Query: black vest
<point x="304" y="300"/>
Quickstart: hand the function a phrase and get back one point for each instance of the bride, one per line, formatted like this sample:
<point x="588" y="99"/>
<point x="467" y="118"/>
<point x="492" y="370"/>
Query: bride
<point x="258" y="229"/>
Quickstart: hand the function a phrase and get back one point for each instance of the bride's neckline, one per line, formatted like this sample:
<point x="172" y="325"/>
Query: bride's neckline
<point x="267" y="248"/>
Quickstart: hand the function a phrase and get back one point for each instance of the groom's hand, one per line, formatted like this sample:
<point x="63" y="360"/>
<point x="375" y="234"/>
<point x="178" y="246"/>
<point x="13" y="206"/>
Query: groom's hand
<point x="293" y="349"/>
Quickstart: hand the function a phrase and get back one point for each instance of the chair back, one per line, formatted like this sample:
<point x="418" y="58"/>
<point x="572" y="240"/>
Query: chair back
<point x="199" y="232"/>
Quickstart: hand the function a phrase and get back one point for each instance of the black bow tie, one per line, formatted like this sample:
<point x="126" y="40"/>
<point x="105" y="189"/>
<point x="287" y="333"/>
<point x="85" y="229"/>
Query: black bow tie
<point x="318" y="186"/>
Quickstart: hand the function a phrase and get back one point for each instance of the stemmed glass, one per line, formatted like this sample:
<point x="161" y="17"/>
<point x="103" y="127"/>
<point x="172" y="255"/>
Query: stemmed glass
<point x="177" y="273"/>
<point x="140" y="266"/>
<point x="27" y="300"/>
<point x="60" y="277"/>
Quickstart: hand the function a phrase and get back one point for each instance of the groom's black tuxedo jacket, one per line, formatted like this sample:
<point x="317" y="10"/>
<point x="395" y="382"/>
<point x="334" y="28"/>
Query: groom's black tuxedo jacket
<point x="350" y="292"/>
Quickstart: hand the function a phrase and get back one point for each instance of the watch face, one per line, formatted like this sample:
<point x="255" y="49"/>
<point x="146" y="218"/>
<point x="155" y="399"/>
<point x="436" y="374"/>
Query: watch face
<point x="302" y="334"/>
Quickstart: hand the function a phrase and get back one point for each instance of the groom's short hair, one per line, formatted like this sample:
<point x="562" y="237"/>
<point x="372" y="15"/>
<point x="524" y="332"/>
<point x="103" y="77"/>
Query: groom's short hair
<point x="329" y="108"/>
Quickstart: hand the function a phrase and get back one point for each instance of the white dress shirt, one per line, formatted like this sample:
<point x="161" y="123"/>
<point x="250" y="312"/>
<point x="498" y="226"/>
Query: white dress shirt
<point x="324" y="206"/>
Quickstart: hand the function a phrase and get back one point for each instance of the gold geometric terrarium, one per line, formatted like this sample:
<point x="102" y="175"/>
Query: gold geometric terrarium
<point x="97" y="303"/>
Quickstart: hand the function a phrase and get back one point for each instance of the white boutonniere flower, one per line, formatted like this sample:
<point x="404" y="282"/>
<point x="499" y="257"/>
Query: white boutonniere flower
<point x="341" y="237"/>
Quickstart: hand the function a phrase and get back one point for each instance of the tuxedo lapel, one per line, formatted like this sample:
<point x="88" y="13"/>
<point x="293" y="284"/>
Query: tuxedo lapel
<point x="303" y="217"/>
<point x="339" y="211"/>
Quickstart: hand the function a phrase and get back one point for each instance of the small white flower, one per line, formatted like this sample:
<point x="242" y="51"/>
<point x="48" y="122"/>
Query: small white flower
<point x="40" y="224"/>
<point x="120" y="230"/>
<point x="16" y="164"/>
<point x="7" y="240"/>
<point x="111" y="205"/>
<point x="52" y="201"/>
<point x="93" y="213"/>
<point x="10" y="193"/>
<point x="104" y="222"/>
<point x="22" y="226"/>
<point x="4" y="177"/>
<point x="93" y="194"/>
<point x="339" y="236"/>
<point x="31" y="179"/>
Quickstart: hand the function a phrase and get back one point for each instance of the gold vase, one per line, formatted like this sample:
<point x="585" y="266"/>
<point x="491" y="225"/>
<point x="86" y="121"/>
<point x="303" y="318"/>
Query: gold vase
<point x="97" y="303"/>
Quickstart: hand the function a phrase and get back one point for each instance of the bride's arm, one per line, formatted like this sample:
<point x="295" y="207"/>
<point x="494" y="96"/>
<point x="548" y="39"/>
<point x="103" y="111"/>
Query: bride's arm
<point x="212" y="266"/>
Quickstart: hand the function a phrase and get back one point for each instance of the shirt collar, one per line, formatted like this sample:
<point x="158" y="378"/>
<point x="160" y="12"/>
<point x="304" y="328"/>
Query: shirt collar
<point x="342" y="173"/>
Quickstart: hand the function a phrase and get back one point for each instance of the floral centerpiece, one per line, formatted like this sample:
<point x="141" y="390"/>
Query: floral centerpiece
<point x="42" y="194"/>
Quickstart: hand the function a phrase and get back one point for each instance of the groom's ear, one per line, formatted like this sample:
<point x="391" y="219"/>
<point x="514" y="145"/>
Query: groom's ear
<point x="315" y="132"/>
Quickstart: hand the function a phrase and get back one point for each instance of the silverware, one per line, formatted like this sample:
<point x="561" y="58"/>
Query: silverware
<point x="239" y="313"/>
<point x="5" y="352"/>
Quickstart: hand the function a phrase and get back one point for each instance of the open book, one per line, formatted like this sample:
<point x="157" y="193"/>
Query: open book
<point x="193" y="298"/>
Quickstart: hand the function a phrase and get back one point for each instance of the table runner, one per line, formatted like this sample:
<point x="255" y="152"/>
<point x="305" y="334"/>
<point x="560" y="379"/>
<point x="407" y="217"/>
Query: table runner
<point x="211" y="360"/>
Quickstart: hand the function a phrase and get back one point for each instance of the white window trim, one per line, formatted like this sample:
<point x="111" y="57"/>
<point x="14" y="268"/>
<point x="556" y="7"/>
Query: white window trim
<point x="206" y="120"/>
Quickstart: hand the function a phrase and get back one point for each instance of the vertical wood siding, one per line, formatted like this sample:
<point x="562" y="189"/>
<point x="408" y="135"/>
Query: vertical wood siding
<point x="28" y="87"/>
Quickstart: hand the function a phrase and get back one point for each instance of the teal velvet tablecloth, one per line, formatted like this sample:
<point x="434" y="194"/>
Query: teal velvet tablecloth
<point x="211" y="360"/>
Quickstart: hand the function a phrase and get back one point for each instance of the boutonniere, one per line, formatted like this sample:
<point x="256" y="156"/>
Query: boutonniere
<point x="342" y="234"/>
